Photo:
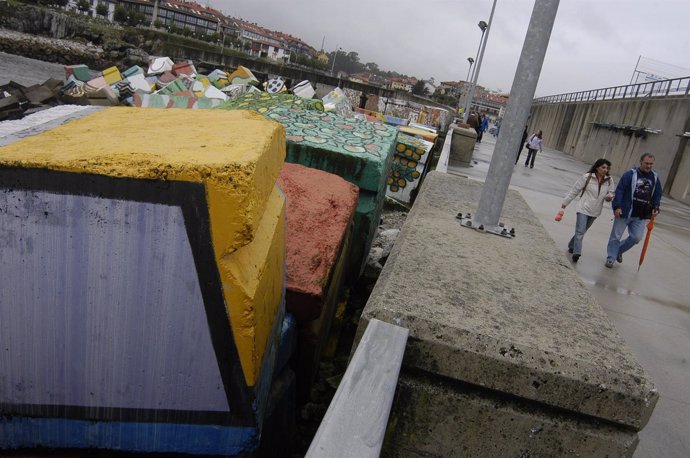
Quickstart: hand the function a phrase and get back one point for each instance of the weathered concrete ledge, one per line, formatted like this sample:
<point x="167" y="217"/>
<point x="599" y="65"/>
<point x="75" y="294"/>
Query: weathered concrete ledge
<point x="508" y="315"/>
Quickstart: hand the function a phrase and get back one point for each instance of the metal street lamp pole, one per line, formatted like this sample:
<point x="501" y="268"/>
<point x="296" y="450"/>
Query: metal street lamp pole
<point x="222" y="38"/>
<point x="335" y="55"/>
<point x="521" y="96"/>
<point x="471" y="61"/>
<point x="465" y="106"/>
<point x="482" y="25"/>
<point x="485" y="27"/>
<point x="461" y="100"/>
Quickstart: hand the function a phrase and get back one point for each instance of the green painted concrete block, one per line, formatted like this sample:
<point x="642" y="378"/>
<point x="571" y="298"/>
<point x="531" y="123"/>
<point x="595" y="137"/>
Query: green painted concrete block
<point x="359" y="151"/>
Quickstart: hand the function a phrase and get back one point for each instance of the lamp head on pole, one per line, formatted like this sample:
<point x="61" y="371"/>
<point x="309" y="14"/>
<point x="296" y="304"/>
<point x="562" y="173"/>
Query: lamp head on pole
<point x="470" y="60"/>
<point x="483" y="25"/>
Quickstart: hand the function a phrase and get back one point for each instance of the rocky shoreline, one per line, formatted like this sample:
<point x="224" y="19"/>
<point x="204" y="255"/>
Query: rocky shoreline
<point x="68" y="52"/>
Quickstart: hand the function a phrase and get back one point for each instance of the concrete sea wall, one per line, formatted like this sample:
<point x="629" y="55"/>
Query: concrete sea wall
<point x="590" y="130"/>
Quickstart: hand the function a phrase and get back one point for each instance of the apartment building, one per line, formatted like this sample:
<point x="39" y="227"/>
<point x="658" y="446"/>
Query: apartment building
<point x="201" y="20"/>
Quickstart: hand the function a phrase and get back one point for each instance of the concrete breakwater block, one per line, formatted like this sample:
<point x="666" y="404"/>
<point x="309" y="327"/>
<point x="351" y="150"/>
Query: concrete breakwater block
<point x="141" y="282"/>
<point x="408" y="166"/>
<point x="359" y="152"/>
<point x="462" y="147"/>
<point x="263" y="101"/>
<point x="320" y="209"/>
<point x="506" y="315"/>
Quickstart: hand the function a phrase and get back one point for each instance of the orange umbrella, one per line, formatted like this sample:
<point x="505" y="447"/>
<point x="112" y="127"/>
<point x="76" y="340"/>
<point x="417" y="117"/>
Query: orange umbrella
<point x="650" y="226"/>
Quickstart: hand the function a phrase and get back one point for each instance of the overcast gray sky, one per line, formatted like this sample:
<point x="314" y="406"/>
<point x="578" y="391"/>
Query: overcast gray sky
<point x="594" y="43"/>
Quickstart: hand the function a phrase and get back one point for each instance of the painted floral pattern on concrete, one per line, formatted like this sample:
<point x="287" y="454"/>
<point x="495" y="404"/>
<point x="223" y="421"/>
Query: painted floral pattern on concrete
<point x="408" y="164"/>
<point x="337" y="132"/>
<point x="262" y="102"/>
<point x="403" y="171"/>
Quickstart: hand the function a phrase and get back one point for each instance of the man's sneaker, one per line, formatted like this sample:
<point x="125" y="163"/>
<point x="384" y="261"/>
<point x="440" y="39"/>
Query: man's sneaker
<point x="576" y="257"/>
<point x="619" y="258"/>
<point x="609" y="263"/>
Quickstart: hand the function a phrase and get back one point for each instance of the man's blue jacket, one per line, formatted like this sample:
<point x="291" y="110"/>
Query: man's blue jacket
<point x="626" y="189"/>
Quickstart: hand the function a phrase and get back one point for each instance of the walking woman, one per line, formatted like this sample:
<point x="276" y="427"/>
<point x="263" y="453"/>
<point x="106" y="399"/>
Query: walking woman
<point x="534" y="143"/>
<point x="593" y="188"/>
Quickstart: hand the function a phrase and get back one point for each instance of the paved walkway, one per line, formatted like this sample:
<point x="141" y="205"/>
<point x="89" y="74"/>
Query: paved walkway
<point x="650" y="308"/>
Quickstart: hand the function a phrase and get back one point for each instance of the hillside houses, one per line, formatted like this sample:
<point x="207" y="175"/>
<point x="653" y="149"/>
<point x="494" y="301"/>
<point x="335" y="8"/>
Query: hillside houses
<point x="484" y="101"/>
<point x="201" y="20"/>
<point x="402" y="84"/>
<point x="204" y="21"/>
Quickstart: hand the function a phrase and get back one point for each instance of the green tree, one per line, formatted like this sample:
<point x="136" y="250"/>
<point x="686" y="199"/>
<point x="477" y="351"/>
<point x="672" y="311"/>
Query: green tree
<point x="135" y="17"/>
<point x="84" y="6"/>
<point x="158" y="23"/>
<point x="372" y="67"/>
<point x="120" y="15"/>
<point x="420" y="88"/>
<point x="307" y="61"/>
<point x="445" y="99"/>
<point x="102" y="10"/>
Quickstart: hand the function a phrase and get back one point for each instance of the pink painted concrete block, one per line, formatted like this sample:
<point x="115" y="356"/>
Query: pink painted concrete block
<point x="320" y="208"/>
<point x="184" y="68"/>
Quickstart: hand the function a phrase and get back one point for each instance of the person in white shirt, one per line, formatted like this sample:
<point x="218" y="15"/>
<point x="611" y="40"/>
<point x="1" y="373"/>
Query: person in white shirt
<point x="593" y="188"/>
<point x="534" y="143"/>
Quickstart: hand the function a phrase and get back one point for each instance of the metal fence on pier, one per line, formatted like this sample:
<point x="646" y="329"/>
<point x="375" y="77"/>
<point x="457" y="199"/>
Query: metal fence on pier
<point x="663" y="88"/>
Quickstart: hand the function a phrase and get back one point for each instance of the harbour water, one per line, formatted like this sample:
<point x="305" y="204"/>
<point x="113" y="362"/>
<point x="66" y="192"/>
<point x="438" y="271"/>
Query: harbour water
<point x="27" y="71"/>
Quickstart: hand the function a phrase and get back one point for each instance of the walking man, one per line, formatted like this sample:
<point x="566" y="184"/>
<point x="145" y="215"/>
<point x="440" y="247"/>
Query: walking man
<point x="522" y="144"/>
<point x="638" y="197"/>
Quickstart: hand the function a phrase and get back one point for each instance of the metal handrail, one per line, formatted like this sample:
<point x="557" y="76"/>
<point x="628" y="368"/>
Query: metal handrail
<point x="356" y="420"/>
<point x="661" y="88"/>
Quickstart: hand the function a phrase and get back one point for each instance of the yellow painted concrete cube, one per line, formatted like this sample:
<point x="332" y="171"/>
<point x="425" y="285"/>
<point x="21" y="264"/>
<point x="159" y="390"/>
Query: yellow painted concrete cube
<point x="237" y="157"/>
<point x="112" y="75"/>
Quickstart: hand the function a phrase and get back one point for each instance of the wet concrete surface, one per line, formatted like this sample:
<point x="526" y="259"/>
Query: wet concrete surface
<point x="650" y="308"/>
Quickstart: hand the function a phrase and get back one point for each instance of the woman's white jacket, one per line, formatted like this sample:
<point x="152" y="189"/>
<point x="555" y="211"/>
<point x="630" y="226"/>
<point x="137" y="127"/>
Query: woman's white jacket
<point x="592" y="201"/>
<point x="535" y="142"/>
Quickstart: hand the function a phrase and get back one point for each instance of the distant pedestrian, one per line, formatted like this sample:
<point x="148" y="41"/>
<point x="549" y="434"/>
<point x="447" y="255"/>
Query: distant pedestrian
<point x="593" y="188"/>
<point x="483" y="127"/>
<point x="497" y="124"/>
<point x="522" y="144"/>
<point x="534" y="144"/>
<point x="473" y="121"/>
<point x="638" y="197"/>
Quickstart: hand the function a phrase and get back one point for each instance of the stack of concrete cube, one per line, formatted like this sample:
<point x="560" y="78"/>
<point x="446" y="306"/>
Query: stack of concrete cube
<point x="359" y="152"/>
